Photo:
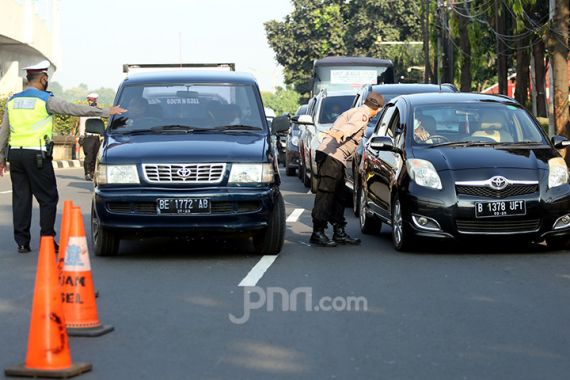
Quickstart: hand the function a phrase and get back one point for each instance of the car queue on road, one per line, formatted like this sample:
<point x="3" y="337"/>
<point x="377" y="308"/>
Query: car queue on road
<point x="437" y="165"/>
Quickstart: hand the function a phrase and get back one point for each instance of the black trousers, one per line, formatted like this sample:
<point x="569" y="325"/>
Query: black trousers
<point x="90" y="148"/>
<point x="331" y="198"/>
<point x="27" y="180"/>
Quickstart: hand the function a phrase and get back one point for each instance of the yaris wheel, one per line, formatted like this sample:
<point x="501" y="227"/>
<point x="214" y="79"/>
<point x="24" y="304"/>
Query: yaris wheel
<point x="369" y="224"/>
<point x="400" y="233"/>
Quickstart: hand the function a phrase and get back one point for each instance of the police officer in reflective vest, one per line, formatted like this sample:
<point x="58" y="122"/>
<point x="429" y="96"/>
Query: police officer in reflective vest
<point x="336" y="148"/>
<point x="26" y="142"/>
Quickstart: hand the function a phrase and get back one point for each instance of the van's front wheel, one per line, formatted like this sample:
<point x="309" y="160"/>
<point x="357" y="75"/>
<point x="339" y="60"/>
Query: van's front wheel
<point x="270" y="240"/>
<point x="105" y="242"/>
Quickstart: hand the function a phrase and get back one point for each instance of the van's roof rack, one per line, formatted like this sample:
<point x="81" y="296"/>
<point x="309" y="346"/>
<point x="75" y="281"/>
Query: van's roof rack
<point x="129" y="66"/>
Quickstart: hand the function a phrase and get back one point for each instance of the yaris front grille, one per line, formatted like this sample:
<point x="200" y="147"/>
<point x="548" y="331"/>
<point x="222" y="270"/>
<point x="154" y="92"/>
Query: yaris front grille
<point x="486" y="192"/>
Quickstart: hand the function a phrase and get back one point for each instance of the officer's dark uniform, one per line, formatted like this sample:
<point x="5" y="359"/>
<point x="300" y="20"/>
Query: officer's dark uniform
<point x="331" y="157"/>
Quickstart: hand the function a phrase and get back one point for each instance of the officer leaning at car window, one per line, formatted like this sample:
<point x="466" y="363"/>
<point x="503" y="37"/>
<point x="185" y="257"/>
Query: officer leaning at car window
<point x="331" y="157"/>
<point x="26" y="142"/>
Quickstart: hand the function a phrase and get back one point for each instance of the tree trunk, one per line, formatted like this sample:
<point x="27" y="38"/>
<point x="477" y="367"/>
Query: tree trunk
<point x="465" y="45"/>
<point x="500" y="27"/>
<point x="427" y="68"/>
<point x="523" y="62"/>
<point x="540" y="75"/>
<point x="558" y="42"/>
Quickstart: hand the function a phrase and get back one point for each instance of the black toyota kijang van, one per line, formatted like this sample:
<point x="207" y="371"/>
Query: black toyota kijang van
<point x="191" y="156"/>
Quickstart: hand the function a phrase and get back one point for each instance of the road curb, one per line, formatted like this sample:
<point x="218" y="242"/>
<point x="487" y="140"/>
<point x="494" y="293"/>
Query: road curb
<point x="62" y="164"/>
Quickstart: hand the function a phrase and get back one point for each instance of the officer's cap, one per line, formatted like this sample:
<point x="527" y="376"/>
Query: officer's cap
<point x="374" y="101"/>
<point x="41" y="67"/>
<point x="93" y="95"/>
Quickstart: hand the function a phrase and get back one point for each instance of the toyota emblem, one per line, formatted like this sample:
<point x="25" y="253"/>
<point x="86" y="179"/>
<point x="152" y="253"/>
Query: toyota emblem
<point x="498" y="183"/>
<point x="184" y="172"/>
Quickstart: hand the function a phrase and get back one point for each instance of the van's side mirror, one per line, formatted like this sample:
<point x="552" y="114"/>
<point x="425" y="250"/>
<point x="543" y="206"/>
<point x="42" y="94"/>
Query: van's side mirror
<point x="95" y="126"/>
<point x="280" y="124"/>
<point x="560" y="142"/>
<point x="305" y="120"/>
<point x="384" y="143"/>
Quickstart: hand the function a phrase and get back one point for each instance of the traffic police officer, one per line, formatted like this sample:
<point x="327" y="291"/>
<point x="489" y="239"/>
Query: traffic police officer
<point x="337" y="147"/>
<point x="25" y="141"/>
<point x="90" y="142"/>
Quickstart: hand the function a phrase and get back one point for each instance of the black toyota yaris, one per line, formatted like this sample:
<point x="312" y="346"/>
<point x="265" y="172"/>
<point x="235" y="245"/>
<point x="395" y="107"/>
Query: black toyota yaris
<point x="448" y="166"/>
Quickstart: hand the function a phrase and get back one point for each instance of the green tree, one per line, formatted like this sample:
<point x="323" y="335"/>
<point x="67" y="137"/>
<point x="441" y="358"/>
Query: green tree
<point x="373" y="24"/>
<point x="282" y="100"/>
<point x="316" y="29"/>
<point x="313" y="30"/>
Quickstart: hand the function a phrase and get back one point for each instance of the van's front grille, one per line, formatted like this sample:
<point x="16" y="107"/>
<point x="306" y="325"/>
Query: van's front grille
<point x="184" y="173"/>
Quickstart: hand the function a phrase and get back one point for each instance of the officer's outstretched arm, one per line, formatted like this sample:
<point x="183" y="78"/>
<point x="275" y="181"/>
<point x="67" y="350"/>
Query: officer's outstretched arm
<point x="63" y="107"/>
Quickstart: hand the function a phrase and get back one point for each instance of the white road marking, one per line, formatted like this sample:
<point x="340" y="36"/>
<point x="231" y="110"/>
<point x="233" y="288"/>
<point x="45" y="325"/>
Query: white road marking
<point x="295" y="215"/>
<point x="258" y="270"/>
<point x="309" y="192"/>
<point x="6" y="192"/>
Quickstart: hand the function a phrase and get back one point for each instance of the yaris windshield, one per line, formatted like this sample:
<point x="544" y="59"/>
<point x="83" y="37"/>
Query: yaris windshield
<point x="196" y="106"/>
<point x="472" y="124"/>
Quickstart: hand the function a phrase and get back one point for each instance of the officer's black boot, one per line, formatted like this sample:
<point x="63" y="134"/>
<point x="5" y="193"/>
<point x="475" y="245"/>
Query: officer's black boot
<point x="341" y="237"/>
<point x="318" y="237"/>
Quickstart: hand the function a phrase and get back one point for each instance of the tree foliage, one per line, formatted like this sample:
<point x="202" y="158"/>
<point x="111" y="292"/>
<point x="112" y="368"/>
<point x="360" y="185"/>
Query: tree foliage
<point x="320" y="28"/>
<point x="282" y="100"/>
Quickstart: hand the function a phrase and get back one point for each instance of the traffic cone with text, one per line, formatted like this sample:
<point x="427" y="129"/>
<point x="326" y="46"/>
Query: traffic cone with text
<point x="64" y="234"/>
<point x="79" y="305"/>
<point x="48" y="352"/>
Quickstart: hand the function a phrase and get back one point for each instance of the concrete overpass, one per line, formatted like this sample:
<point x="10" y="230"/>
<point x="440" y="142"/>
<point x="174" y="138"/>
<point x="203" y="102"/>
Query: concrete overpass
<point x="29" y="33"/>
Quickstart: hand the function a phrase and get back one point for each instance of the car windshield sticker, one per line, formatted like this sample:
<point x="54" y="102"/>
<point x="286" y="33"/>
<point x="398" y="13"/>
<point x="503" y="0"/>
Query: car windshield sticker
<point x="182" y="101"/>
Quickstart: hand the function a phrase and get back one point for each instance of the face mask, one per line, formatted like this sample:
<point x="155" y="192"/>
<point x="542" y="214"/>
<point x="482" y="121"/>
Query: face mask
<point x="46" y="85"/>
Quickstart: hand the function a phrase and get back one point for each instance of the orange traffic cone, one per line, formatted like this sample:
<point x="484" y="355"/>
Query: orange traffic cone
<point x="48" y="346"/>
<point x="78" y="294"/>
<point x="64" y="234"/>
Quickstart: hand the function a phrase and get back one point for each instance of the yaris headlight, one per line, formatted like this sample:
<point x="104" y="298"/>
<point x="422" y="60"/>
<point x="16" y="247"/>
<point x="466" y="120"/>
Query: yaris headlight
<point x="557" y="172"/>
<point x="117" y="174"/>
<point x="295" y="140"/>
<point x="423" y="173"/>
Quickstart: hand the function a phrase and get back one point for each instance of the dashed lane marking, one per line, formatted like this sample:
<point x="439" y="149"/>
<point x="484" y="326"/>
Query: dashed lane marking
<point x="258" y="270"/>
<point x="6" y="192"/>
<point x="295" y="215"/>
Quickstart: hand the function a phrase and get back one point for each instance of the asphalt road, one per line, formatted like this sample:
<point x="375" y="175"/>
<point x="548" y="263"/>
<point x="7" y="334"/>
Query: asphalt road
<point x="453" y="312"/>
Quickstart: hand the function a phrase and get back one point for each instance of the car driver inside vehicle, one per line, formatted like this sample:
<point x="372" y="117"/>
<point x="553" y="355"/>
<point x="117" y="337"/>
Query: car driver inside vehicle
<point x="424" y="127"/>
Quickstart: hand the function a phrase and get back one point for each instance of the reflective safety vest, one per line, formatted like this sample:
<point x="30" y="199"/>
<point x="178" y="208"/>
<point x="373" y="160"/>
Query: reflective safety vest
<point x="29" y="119"/>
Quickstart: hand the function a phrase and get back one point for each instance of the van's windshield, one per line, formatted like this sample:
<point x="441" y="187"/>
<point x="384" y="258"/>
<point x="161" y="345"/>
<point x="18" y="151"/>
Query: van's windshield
<point x="202" y="106"/>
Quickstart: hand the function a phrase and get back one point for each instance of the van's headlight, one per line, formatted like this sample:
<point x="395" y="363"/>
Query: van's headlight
<point x="295" y="140"/>
<point x="423" y="173"/>
<point x="117" y="174"/>
<point x="251" y="173"/>
<point x="557" y="172"/>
